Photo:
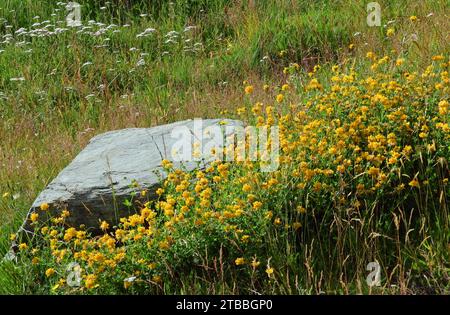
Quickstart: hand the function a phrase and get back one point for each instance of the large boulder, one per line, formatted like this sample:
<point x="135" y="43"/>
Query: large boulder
<point x="95" y="184"/>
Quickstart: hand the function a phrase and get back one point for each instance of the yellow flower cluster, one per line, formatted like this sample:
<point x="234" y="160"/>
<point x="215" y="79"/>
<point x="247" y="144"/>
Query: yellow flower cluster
<point x="351" y="141"/>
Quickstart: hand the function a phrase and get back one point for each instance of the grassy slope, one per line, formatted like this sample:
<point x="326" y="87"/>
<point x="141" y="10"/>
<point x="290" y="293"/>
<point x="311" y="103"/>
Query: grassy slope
<point x="48" y="118"/>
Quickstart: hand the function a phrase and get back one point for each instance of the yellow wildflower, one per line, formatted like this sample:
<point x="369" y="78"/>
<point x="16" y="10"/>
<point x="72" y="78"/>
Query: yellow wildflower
<point x="257" y="205"/>
<point x="255" y="263"/>
<point x="23" y="247"/>
<point x="414" y="183"/>
<point x="104" y="226"/>
<point x="280" y="98"/>
<point x="239" y="261"/>
<point x="246" y="188"/>
<point x="90" y="282"/>
<point x="34" y="217"/>
<point x="50" y="272"/>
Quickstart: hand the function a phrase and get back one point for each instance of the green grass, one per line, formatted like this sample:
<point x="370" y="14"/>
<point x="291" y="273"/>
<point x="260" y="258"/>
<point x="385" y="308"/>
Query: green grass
<point x="48" y="118"/>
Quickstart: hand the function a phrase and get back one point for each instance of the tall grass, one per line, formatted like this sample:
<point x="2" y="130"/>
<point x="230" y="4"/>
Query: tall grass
<point x="78" y="84"/>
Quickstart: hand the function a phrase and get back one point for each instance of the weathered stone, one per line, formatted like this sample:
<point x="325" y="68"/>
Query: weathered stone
<point x="95" y="184"/>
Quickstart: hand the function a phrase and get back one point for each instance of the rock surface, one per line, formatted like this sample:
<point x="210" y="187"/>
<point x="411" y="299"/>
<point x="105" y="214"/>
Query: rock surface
<point x="95" y="184"/>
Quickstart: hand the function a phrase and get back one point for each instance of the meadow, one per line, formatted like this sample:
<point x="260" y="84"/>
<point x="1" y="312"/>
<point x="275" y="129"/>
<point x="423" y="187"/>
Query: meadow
<point x="364" y="119"/>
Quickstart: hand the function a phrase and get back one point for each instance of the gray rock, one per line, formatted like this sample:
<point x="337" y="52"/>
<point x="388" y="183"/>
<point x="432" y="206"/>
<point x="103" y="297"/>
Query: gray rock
<point x="95" y="184"/>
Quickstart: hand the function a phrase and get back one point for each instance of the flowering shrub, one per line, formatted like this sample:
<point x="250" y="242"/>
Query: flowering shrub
<point x="363" y="176"/>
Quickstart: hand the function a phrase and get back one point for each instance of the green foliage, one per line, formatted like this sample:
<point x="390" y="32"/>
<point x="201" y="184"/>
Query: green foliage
<point x="58" y="90"/>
